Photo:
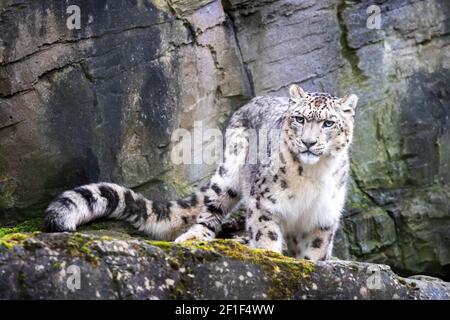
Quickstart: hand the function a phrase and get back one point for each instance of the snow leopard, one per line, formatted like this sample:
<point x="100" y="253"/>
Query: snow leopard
<point x="293" y="200"/>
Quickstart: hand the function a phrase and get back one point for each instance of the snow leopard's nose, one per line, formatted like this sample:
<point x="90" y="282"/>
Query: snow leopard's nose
<point x="309" y="143"/>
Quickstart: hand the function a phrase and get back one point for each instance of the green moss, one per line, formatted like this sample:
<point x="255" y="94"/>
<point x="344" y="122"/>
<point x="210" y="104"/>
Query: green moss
<point x="80" y="246"/>
<point x="85" y="249"/>
<point x="349" y="53"/>
<point x="236" y="250"/>
<point x="284" y="272"/>
<point x="161" y="244"/>
<point x="9" y="241"/>
<point x="32" y="225"/>
<point x="57" y="266"/>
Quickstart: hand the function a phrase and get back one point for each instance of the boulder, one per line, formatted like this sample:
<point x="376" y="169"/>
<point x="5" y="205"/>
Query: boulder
<point x="86" y="266"/>
<point x="102" y="103"/>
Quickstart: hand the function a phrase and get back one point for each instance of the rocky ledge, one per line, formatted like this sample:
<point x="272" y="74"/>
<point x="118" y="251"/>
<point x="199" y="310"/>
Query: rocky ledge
<point x="87" y="266"/>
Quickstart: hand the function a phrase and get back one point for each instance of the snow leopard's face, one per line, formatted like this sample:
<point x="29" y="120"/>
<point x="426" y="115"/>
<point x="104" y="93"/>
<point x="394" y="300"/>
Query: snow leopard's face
<point x="318" y="124"/>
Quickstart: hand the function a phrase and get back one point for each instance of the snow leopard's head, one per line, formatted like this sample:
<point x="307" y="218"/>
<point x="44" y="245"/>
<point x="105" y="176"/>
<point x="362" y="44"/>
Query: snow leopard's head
<point x="319" y="124"/>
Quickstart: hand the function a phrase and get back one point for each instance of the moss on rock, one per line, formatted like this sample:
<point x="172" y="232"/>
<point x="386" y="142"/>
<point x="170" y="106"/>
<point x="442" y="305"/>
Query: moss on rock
<point x="284" y="272"/>
<point x="79" y="245"/>
<point x="10" y="240"/>
<point x="31" y="225"/>
<point x="219" y="269"/>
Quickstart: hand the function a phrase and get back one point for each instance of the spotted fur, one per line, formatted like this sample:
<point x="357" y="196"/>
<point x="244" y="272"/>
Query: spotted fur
<point x="293" y="198"/>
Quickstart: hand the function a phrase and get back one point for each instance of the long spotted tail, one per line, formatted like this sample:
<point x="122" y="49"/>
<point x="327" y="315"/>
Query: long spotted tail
<point x="161" y="220"/>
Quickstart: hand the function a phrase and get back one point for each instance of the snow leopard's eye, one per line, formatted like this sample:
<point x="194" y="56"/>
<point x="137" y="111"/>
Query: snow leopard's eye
<point x="300" y="119"/>
<point x="328" y="124"/>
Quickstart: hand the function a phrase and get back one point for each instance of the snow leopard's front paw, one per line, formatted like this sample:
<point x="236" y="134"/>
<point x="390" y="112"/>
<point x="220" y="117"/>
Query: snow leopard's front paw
<point x="197" y="232"/>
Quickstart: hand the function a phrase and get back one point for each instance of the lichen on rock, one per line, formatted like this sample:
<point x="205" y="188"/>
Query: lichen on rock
<point x="38" y="266"/>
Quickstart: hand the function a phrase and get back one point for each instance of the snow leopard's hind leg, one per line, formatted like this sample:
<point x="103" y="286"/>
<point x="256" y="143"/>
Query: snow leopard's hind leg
<point x="223" y="192"/>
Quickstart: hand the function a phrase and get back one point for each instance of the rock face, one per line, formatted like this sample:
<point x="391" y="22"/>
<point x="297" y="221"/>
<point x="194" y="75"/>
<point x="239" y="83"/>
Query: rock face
<point x="66" y="266"/>
<point x="101" y="103"/>
<point x="398" y="211"/>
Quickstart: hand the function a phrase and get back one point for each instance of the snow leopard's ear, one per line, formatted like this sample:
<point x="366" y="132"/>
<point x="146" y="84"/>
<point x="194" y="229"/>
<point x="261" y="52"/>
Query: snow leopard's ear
<point x="348" y="104"/>
<point x="296" y="93"/>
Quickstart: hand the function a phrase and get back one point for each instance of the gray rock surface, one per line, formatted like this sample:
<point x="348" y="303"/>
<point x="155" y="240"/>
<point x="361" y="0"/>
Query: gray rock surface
<point x="47" y="266"/>
<point x="101" y="103"/>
